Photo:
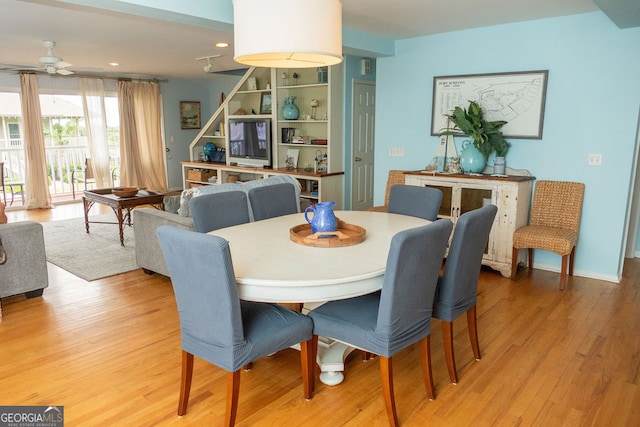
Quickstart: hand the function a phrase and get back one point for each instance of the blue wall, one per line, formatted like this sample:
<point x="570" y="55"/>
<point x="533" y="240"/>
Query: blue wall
<point x="593" y="95"/>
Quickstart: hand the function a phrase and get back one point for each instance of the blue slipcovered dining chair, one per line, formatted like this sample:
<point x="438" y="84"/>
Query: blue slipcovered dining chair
<point x="219" y="210"/>
<point x="421" y="202"/>
<point x="215" y="325"/>
<point x="457" y="290"/>
<point x="273" y="200"/>
<point x="399" y="315"/>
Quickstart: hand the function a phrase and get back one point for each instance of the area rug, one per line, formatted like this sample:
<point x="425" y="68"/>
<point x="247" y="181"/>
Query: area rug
<point x="90" y="256"/>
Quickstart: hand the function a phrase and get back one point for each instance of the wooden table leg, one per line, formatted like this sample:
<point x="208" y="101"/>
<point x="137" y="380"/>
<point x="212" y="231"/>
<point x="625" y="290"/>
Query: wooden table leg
<point x="120" y="224"/>
<point x="87" y="205"/>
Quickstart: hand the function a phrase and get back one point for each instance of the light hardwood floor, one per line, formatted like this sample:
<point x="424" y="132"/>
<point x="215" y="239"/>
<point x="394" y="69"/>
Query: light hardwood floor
<point x="109" y="351"/>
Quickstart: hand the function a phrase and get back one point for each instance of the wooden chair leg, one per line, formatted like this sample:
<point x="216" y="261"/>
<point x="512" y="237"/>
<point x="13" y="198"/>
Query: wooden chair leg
<point x="563" y="272"/>
<point x="185" y="382"/>
<point x="308" y="377"/>
<point x="571" y="259"/>
<point x="365" y="355"/>
<point x="472" y="324"/>
<point x="447" y="337"/>
<point x="233" y="391"/>
<point x="248" y="366"/>
<point x="514" y="263"/>
<point x="530" y="253"/>
<point x="386" y="372"/>
<point x="425" y="362"/>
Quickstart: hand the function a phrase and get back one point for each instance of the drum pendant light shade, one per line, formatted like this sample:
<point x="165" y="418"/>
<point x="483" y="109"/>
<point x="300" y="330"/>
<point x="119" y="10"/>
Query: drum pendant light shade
<point x="288" y="33"/>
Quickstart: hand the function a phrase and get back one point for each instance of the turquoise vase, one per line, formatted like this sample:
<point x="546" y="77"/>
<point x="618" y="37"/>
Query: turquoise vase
<point x="471" y="159"/>
<point x="289" y="109"/>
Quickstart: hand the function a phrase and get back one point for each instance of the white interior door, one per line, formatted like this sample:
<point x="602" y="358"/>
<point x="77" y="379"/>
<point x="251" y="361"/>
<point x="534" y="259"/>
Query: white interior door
<point x="363" y="143"/>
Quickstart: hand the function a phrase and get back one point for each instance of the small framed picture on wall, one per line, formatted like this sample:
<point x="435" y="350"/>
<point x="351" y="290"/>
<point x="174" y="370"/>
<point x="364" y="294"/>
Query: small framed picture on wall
<point x="190" y="115"/>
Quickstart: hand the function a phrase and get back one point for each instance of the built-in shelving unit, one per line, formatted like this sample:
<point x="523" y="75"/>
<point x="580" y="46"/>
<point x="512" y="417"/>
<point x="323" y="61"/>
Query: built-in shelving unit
<point x="321" y="124"/>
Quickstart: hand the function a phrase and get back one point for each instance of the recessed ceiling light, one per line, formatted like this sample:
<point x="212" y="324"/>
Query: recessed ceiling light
<point x="222" y="44"/>
<point x="114" y="64"/>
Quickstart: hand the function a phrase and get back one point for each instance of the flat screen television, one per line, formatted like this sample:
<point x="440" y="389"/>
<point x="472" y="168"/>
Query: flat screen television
<point x="250" y="142"/>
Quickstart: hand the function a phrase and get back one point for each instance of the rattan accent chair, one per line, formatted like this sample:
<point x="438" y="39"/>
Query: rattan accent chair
<point x="553" y="226"/>
<point x="395" y="177"/>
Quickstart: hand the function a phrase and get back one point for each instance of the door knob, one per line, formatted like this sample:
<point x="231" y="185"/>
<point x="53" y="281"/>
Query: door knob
<point x="357" y="159"/>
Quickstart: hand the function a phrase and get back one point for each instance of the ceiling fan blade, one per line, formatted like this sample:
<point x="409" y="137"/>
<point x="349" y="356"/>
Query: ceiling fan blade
<point x="63" y="64"/>
<point x="64" y="72"/>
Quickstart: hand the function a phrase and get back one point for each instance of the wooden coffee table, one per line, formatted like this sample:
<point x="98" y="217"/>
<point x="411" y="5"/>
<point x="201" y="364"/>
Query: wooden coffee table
<point x="122" y="206"/>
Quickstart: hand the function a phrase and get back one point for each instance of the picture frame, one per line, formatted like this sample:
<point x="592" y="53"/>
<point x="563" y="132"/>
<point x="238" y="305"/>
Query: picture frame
<point x="252" y="83"/>
<point x="293" y="153"/>
<point x="516" y="97"/>
<point x="265" y="103"/>
<point x="190" y="117"/>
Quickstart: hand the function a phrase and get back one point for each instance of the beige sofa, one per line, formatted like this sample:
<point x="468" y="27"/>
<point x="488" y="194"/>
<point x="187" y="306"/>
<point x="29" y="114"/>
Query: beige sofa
<point x="147" y="220"/>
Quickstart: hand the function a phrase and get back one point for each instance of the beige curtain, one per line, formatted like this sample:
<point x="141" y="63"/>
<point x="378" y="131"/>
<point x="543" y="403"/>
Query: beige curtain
<point x="37" y="182"/>
<point x="93" y="93"/>
<point x="141" y="149"/>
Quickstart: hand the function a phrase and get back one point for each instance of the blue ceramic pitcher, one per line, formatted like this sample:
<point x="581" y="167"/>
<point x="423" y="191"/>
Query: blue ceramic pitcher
<point x="323" y="217"/>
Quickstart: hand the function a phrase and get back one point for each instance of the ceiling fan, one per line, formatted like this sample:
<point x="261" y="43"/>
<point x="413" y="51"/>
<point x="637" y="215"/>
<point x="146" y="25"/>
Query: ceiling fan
<point x="49" y="63"/>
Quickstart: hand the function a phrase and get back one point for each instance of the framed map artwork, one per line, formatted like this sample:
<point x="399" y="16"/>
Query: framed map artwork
<point x="516" y="97"/>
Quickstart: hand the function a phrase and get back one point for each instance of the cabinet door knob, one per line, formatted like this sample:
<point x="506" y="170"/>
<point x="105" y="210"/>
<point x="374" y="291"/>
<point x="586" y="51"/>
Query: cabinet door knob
<point x="357" y="159"/>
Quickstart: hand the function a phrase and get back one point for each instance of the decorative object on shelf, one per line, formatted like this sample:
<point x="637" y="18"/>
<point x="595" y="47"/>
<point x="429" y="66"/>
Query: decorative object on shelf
<point x="323" y="164"/>
<point x="265" y="103"/>
<point x="446" y="151"/>
<point x="454" y="165"/>
<point x="518" y="97"/>
<point x="292" y="158"/>
<point x="290" y="42"/>
<point x="499" y="166"/>
<point x="314" y="105"/>
<point x="295" y="78"/>
<point x="501" y="147"/>
<point x="287" y="135"/>
<point x="208" y="150"/>
<point x="289" y="109"/>
<point x="189" y="115"/>
<point x="324" y="219"/>
<point x="252" y="83"/>
<point x="284" y="78"/>
<point x="471" y="159"/>
<point x="289" y="163"/>
<point x="308" y="167"/>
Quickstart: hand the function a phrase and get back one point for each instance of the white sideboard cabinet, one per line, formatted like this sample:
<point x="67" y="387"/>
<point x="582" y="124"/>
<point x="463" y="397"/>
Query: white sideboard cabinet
<point x="464" y="193"/>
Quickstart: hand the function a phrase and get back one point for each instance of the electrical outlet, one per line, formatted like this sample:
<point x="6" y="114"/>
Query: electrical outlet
<point x="595" y="160"/>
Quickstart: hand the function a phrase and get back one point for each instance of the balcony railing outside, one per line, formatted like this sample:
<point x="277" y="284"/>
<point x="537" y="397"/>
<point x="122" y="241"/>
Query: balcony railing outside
<point x="61" y="161"/>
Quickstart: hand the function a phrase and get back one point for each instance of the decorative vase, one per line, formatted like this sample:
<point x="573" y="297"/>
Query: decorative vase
<point x="289" y="109"/>
<point x="499" y="166"/>
<point x="471" y="159"/>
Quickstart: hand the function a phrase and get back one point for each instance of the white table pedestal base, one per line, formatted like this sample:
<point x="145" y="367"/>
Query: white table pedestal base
<point x="331" y="357"/>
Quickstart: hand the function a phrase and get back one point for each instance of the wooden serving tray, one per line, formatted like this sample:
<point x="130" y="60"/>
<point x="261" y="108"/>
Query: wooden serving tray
<point x="345" y="235"/>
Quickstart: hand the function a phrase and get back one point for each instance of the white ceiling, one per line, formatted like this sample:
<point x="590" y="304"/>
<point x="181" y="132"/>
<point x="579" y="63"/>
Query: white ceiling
<point x="90" y="38"/>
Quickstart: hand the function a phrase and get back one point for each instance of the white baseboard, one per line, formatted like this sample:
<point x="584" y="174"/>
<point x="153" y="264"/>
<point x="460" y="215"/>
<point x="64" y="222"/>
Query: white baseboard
<point x="580" y="273"/>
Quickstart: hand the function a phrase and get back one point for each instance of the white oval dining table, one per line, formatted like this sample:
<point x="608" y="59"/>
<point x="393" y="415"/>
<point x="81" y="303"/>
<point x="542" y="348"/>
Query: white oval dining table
<point x="270" y="267"/>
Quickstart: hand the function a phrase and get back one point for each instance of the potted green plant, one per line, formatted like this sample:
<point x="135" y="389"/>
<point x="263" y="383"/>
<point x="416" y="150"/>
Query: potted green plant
<point x="486" y="135"/>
